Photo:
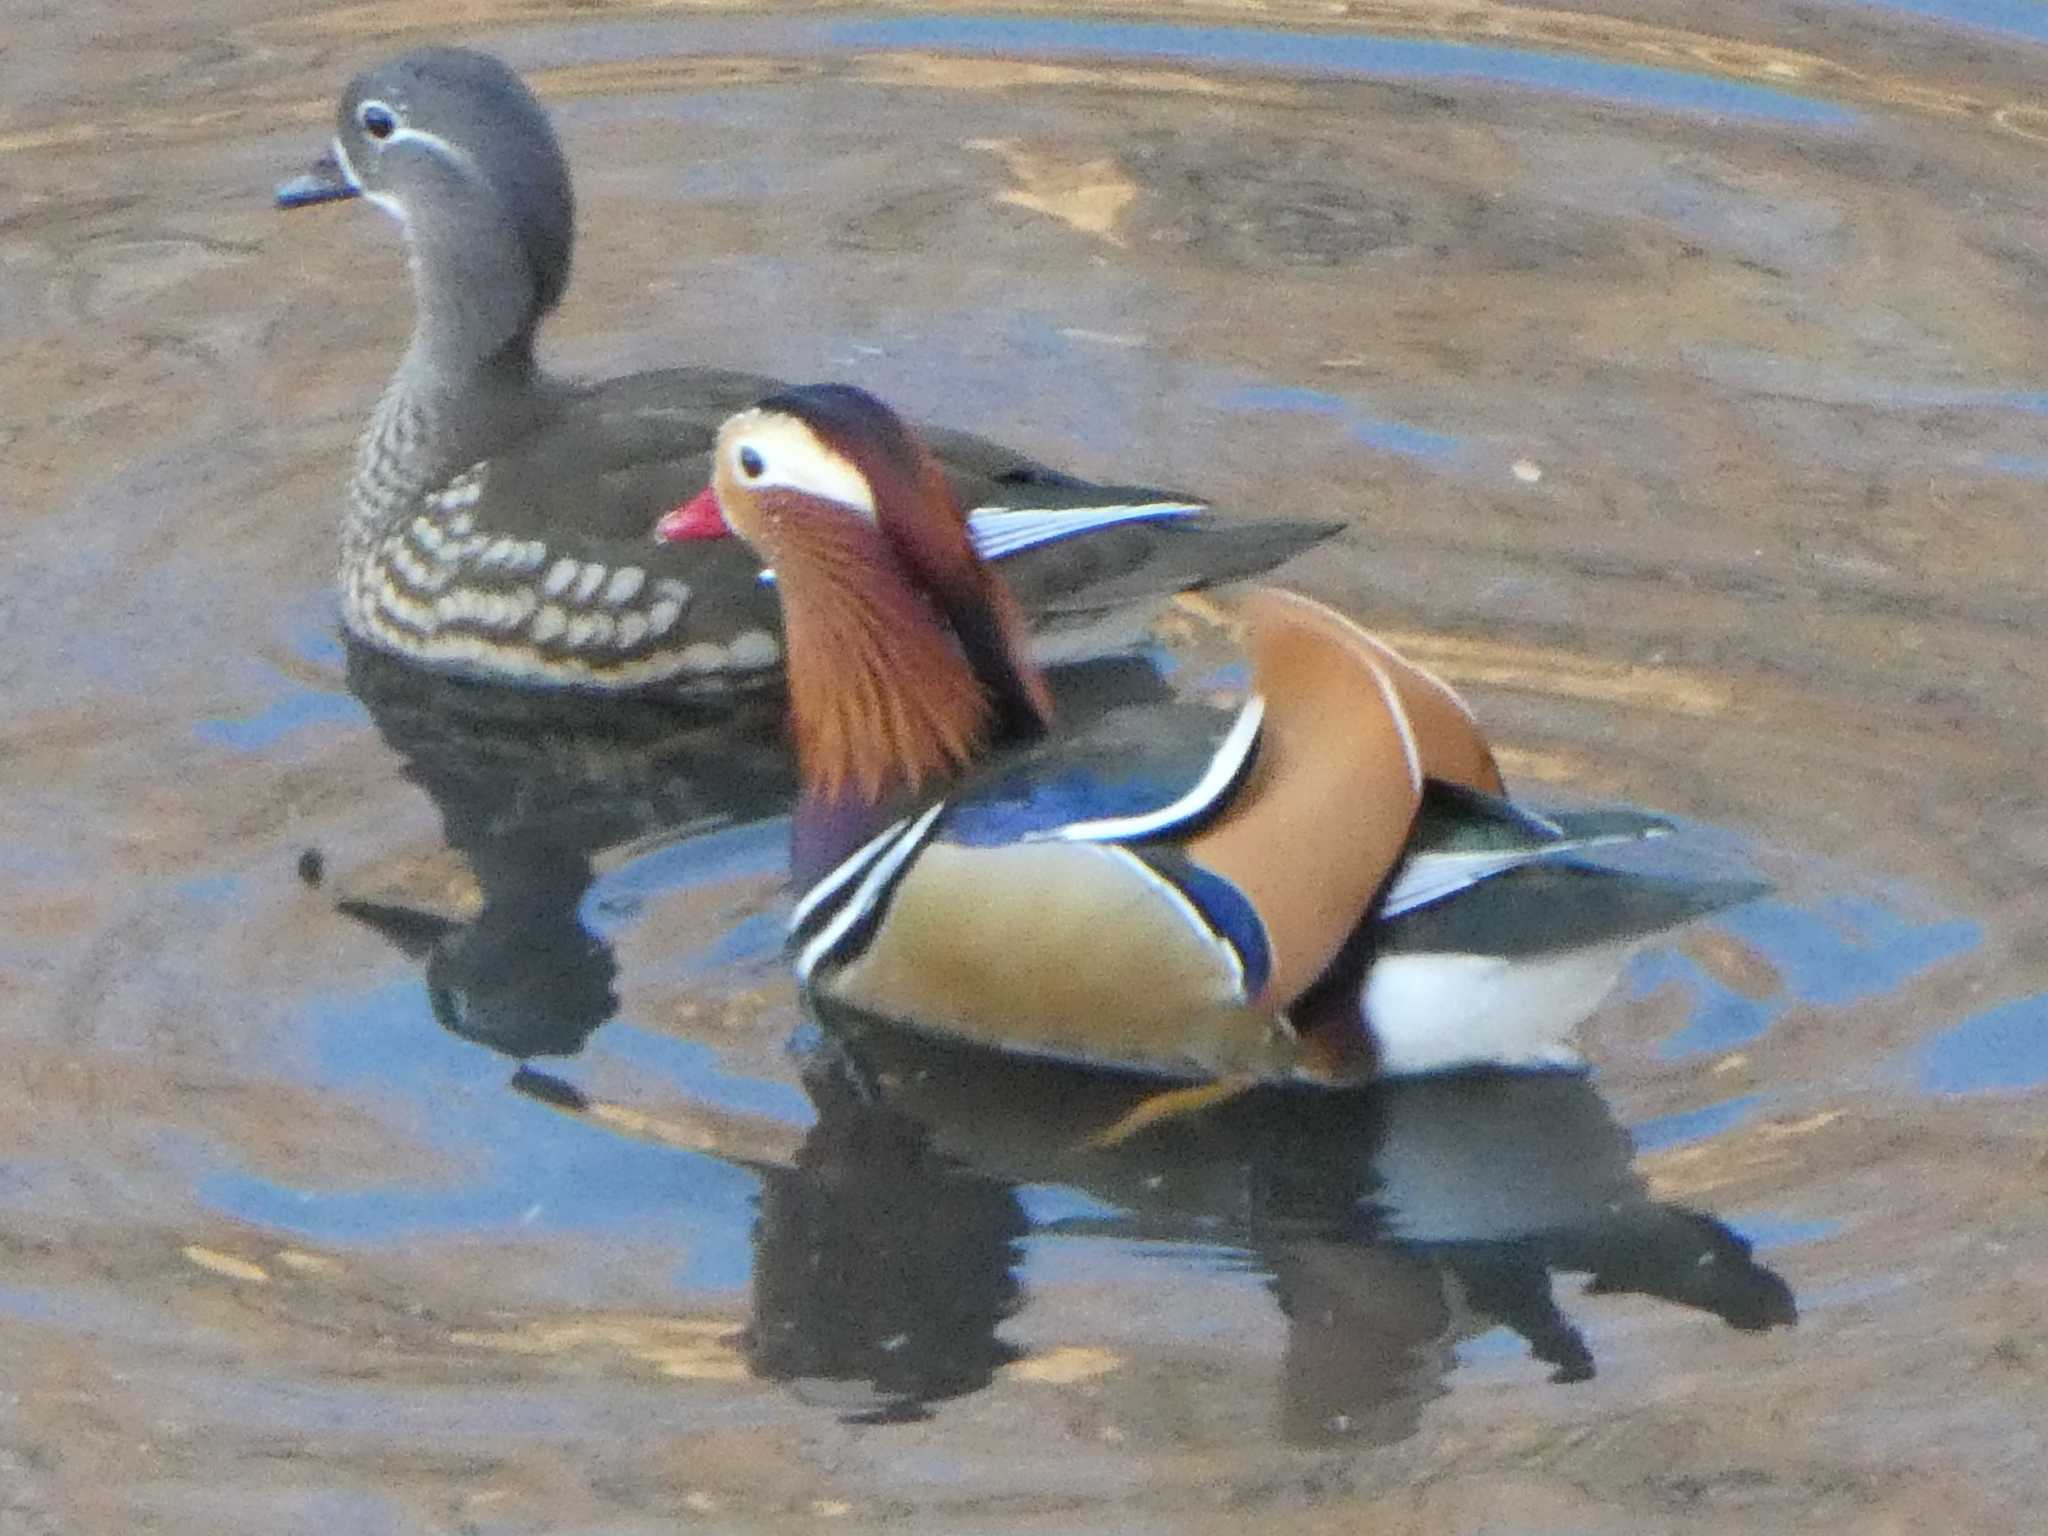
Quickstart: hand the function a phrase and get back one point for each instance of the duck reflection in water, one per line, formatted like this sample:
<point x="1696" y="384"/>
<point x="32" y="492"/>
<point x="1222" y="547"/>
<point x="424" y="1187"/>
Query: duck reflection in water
<point x="531" y="789"/>
<point x="535" y="789"/>
<point x="1392" y="1222"/>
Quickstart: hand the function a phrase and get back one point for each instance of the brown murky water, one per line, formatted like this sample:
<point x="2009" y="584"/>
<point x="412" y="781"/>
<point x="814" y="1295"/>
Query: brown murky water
<point x="1683" y="373"/>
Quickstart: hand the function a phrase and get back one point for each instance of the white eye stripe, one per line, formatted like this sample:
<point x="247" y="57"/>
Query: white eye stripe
<point x="432" y="141"/>
<point x="792" y="459"/>
<point x="832" y="480"/>
<point x="401" y="133"/>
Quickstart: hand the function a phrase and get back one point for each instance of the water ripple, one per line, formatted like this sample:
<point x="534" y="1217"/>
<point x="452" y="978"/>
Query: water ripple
<point x="1350" y="54"/>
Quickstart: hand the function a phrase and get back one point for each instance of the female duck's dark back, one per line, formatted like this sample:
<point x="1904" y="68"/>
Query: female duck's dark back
<point x="500" y="523"/>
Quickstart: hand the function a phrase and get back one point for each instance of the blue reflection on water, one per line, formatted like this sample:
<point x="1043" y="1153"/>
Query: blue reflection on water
<point x="1049" y="1206"/>
<point x="751" y="851"/>
<point x="1770" y="1229"/>
<point x="212" y="890"/>
<point x="1830" y="955"/>
<point x="694" y="1069"/>
<point x="1661" y="1131"/>
<point x="1720" y="1017"/>
<point x="316" y="641"/>
<point x="520" y="1164"/>
<point x="1848" y="949"/>
<point x="2005" y="1047"/>
<point x="1374" y="431"/>
<point x="1348" y="54"/>
<point x="295" y="711"/>
<point x="2015" y="18"/>
<point x="1500" y="1344"/>
<point x="751" y="941"/>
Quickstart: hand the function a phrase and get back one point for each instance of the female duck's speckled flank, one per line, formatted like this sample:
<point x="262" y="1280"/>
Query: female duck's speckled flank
<point x="500" y="523"/>
<point x="1327" y="882"/>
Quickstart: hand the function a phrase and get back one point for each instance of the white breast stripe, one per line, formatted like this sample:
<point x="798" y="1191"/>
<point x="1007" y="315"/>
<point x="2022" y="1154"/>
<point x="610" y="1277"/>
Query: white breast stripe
<point x="1000" y="531"/>
<point x="1221" y="773"/>
<point x="1189" y="913"/>
<point x="841" y="874"/>
<point x="862" y="901"/>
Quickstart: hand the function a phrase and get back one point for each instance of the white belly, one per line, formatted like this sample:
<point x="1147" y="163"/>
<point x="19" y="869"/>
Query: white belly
<point x="1437" y="1012"/>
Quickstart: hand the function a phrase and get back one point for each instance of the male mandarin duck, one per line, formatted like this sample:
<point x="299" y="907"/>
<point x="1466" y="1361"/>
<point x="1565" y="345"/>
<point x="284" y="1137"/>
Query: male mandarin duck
<point x="1326" y="883"/>
<point x="501" y="523"/>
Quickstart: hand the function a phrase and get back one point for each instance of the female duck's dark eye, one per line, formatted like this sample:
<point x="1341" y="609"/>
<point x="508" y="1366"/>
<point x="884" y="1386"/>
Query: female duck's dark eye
<point x="751" y="465"/>
<point x="378" y="120"/>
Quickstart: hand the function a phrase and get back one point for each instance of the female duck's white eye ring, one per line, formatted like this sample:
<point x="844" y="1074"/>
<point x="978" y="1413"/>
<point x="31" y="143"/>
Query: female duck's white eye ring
<point x="378" y="120"/>
<point x="751" y="463"/>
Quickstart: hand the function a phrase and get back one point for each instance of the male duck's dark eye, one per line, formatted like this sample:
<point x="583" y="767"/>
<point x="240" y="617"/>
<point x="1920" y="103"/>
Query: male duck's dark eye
<point x="751" y="465"/>
<point x="378" y="120"/>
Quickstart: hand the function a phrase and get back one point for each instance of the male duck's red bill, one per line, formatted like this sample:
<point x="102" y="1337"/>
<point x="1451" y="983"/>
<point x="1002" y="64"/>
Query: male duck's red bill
<point x="697" y="518"/>
<point x="1327" y="882"/>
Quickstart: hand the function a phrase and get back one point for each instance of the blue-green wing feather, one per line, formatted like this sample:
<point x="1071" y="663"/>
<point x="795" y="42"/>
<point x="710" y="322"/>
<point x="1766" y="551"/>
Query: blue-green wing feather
<point x="1132" y="775"/>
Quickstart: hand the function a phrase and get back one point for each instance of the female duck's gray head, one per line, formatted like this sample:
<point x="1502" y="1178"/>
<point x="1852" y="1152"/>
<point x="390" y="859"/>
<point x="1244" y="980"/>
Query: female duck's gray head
<point x="453" y="145"/>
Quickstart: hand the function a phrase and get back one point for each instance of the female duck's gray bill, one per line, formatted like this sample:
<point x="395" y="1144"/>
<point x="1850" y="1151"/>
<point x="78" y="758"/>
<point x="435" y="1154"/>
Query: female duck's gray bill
<point x="323" y="184"/>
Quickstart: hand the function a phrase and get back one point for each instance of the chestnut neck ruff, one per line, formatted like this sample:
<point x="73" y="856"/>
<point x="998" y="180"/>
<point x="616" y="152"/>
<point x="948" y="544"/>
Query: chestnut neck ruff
<point x="884" y="701"/>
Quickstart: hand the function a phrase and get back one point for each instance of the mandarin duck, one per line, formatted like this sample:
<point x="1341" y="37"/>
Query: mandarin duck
<point x="501" y="523"/>
<point x="1327" y="882"/>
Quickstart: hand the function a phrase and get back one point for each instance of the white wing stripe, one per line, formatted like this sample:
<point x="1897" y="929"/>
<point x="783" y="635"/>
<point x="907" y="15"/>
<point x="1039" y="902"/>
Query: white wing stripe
<point x="1221" y="773"/>
<point x="1000" y="531"/>
<point x="1428" y="877"/>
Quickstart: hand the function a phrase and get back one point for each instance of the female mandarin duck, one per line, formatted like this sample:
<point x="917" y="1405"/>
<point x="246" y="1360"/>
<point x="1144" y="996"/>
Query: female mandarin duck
<point x="1326" y="883"/>
<point x="499" y="521"/>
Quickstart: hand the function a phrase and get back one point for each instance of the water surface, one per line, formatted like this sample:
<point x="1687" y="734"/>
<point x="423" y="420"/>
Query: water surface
<point x="1683" y="383"/>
